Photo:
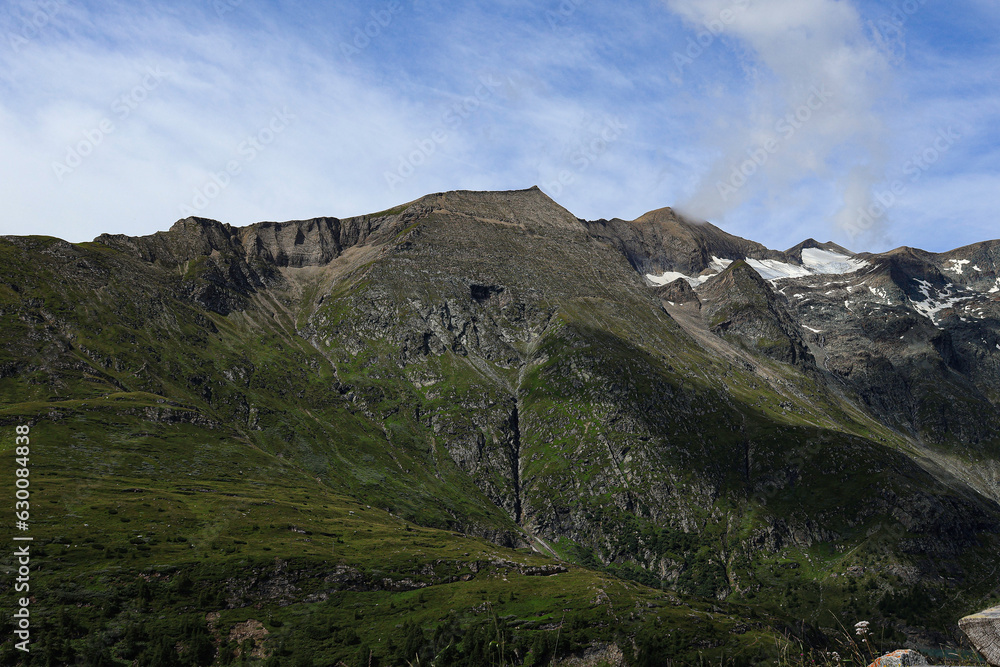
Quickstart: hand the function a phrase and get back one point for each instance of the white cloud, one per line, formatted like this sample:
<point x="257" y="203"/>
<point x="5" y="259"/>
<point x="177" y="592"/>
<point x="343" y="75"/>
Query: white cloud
<point x="217" y="90"/>
<point x="814" y="81"/>
<point x="224" y="82"/>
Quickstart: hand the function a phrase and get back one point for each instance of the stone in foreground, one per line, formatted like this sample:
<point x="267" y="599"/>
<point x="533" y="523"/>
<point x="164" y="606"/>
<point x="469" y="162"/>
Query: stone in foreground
<point x="983" y="630"/>
<point x="900" y="658"/>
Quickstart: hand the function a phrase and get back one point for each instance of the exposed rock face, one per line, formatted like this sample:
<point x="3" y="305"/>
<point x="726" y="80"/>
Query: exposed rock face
<point x="983" y="630"/>
<point x="679" y="291"/>
<point x="296" y="243"/>
<point x="596" y="656"/>
<point x="252" y="634"/>
<point x="223" y="265"/>
<point x="739" y="304"/>
<point x="305" y="242"/>
<point x="662" y="240"/>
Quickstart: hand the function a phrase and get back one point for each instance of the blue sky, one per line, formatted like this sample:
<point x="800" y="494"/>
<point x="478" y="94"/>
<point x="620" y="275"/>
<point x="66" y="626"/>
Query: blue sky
<point x="873" y="124"/>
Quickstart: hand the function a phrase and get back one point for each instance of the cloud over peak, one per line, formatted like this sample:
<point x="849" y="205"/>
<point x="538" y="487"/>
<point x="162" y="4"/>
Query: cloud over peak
<point x="812" y="81"/>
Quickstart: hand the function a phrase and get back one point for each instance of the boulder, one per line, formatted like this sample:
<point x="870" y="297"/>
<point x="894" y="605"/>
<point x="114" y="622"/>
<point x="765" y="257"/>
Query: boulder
<point x="983" y="630"/>
<point x="900" y="658"/>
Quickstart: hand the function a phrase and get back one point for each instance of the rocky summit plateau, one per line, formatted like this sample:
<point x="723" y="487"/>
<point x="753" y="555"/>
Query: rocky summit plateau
<point x="477" y="430"/>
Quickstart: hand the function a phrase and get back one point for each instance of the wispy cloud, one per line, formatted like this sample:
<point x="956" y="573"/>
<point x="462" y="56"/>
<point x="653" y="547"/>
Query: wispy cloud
<point x="808" y="110"/>
<point x="215" y="91"/>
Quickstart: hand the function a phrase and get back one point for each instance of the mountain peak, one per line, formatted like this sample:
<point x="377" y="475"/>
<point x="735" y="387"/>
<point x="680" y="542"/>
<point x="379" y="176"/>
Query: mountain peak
<point x="663" y="241"/>
<point x="529" y="208"/>
<point x="795" y="252"/>
<point x="194" y="222"/>
<point x="740" y="305"/>
<point x="734" y="277"/>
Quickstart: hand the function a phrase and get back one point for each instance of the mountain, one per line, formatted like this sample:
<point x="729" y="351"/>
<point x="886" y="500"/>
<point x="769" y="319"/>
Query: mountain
<point x="739" y="305"/>
<point x="477" y="421"/>
<point x="662" y="241"/>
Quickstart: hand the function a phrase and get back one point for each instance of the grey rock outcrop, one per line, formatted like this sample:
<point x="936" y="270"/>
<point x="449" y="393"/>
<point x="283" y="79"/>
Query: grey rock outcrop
<point x="983" y="630"/>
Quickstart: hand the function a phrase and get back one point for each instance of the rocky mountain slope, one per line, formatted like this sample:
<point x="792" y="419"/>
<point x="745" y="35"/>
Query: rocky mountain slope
<point x="914" y="335"/>
<point x="477" y="385"/>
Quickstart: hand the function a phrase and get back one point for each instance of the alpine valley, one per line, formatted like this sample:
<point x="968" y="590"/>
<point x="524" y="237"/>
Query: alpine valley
<point x="477" y="430"/>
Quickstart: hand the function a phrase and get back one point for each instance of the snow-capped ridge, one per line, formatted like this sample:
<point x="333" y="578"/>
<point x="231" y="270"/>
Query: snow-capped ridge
<point x="814" y="262"/>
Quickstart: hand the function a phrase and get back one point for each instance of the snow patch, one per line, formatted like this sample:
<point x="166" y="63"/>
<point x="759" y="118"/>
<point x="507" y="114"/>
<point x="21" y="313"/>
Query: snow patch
<point x="671" y="276"/>
<point x="932" y="305"/>
<point x="772" y="269"/>
<point x="957" y="265"/>
<point x="811" y="329"/>
<point x="717" y="265"/>
<point x="880" y="293"/>
<point x="826" y="262"/>
<point x="814" y="262"/>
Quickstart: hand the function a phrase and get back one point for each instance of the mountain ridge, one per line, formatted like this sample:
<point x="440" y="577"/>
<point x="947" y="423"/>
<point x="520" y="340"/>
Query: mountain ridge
<point x="664" y="217"/>
<point x="490" y="367"/>
<point x="649" y="236"/>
